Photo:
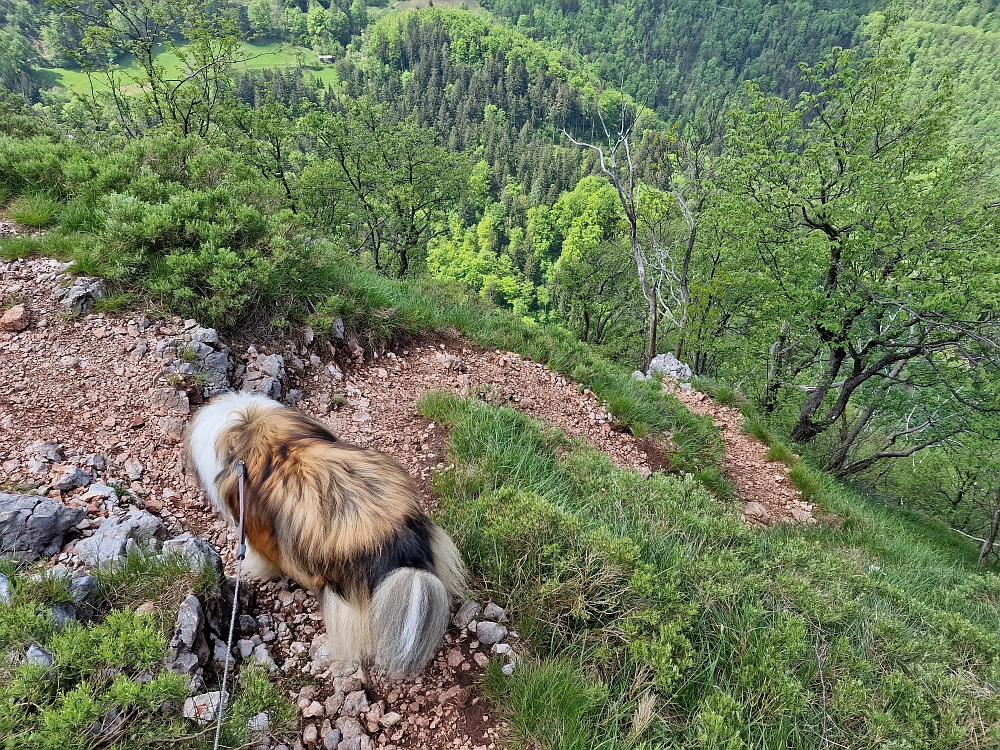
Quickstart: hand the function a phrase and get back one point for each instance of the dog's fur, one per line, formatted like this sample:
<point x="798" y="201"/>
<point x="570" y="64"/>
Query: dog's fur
<point x="340" y="520"/>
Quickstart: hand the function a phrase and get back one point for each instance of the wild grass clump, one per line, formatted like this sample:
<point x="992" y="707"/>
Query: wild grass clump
<point x="781" y="452"/>
<point x="754" y="424"/>
<point x="874" y="629"/>
<point x="143" y="576"/>
<point x="804" y="477"/>
<point x="34" y="211"/>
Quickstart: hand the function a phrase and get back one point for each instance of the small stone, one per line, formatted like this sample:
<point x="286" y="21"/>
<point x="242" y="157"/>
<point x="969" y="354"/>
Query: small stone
<point x="390" y="719"/>
<point x="69" y="361"/>
<point x="331" y="740"/>
<point x="66" y="478"/>
<point x="15" y="319"/>
<point x="313" y="709"/>
<point x="355" y="703"/>
<point x="6" y="596"/>
<point x="38" y="656"/>
<point x="204" y="708"/>
<point x="494" y="613"/>
<point x="489" y="633"/>
<point x="508" y="669"/>
<point x="333" y="703"/>
<point x="259" y="724"/>
<point x="481" y="659"/>
<point x="502" y="648"/>
<point x="349" y="727"/>
<point x="310" y="734"/>
<point x="134" y="469"/>
<point x="466" y="613"/>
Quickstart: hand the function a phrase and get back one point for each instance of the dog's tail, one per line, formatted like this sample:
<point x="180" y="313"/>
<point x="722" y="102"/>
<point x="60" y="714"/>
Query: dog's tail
<point x="409" y="615"/>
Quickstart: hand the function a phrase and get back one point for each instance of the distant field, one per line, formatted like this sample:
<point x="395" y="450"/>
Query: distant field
<point x="474" y="5"/>
<point x="260" y="56"/>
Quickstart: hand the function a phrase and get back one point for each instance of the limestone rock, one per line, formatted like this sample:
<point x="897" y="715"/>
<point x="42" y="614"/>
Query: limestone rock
<point x="489" y="633"/>
<point x="32" y="526"/>
<point x="204" y="708"/>
<point x="199" y="555"/>
<point x="669" y="367"/>
<point x="467" y="613"/>
<point x="80" y="297"/>
<point x="113" y="538"/>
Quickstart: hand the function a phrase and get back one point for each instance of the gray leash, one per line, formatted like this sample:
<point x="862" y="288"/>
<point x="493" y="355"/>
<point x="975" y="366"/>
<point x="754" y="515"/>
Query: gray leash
<point x="241" y="552"/>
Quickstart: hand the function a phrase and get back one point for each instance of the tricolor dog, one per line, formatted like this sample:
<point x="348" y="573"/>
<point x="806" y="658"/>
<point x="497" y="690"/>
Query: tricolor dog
<point x="343" y="521"/>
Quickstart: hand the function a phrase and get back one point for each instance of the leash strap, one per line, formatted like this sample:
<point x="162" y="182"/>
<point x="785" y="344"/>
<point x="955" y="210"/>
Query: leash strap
<point x="241" y="551"/>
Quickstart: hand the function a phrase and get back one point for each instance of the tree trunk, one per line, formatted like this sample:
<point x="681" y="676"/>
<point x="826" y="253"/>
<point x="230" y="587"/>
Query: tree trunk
<point x="653" y="312"/>
<point x="807" y="428"/>
<point x="987" y="550"/>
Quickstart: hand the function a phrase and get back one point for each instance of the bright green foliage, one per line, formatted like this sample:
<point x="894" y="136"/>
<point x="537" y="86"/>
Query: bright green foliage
<point x="872" y="631"/>
<point x="869" y="242"/>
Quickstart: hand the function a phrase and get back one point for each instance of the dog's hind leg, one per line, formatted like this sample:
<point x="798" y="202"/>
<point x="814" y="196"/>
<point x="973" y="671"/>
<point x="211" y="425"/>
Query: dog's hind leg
<point x="259" y="566"/>
<point x="348" y="629"/>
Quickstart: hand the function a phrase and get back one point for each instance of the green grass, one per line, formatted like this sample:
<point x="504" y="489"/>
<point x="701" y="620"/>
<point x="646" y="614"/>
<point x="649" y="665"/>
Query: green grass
<point x="52" y="244"/>
<point x="34" y="211"/>
<point x="259" y="54"/>
<point x="781" y="452"/>
<point x="622" y="588"/>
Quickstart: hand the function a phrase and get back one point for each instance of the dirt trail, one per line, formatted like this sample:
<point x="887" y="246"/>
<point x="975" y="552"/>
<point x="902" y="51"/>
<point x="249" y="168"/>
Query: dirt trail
<point x="768" y="495"/>
<point x="95" y="385"/>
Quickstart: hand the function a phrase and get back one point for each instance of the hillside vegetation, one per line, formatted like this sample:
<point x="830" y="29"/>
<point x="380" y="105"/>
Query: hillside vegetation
<point x="826" y="253"/>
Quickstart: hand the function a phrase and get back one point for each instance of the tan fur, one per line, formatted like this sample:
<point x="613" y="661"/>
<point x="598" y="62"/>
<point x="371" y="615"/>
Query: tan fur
<point x="321" y="504"/>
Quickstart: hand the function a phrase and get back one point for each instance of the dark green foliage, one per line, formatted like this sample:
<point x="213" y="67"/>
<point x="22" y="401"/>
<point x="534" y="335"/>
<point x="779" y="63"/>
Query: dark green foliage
<point x="682" y="56"/>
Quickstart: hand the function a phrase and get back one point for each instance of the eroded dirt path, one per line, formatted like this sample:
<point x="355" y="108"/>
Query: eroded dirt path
<point x="769" y="496"/>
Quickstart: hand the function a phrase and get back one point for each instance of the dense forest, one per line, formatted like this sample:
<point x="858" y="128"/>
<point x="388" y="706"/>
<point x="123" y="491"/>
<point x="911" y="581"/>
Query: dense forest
<point x="820" y="243"/>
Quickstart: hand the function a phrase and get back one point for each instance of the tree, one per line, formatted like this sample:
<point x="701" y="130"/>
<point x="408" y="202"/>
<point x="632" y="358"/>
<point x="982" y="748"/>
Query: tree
<point x="204" y="40"/>
<point x="591" y="282"/>
<point x="402" y="183"/>
<point x="878" y="238"/>
<point x="661" y="199"/>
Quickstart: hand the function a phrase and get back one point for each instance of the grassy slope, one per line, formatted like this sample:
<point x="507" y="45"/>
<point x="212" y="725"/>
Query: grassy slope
<point x="875" y="630"/>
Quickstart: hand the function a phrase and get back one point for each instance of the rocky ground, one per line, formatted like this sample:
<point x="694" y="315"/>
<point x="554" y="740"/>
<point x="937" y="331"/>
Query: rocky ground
<point x="94" y="404"/>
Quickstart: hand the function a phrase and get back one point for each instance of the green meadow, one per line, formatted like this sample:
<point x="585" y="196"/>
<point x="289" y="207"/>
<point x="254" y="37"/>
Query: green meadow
<point x="258" y="55"/>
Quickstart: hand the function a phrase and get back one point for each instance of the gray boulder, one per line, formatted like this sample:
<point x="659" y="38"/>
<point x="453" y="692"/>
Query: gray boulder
<point x="669" y="367"/>
<point x="32" y="526"/>
<point x="197" y="552"/>
<point x="116" y="536"/>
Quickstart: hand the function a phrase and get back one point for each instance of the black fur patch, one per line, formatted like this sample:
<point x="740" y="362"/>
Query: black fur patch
<point x="409" y="547"/>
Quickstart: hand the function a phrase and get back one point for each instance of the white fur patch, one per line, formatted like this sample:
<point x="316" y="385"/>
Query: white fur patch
<point x="203" y="438"/>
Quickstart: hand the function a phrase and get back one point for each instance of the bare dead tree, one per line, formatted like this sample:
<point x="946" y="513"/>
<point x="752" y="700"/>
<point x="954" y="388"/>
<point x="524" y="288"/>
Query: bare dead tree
<point x="662" y="233"/>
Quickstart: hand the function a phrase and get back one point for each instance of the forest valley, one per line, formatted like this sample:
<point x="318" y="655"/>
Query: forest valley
<point x="823" y="241"/>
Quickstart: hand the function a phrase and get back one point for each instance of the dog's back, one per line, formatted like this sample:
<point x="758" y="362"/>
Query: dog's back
<point x="343" y="521"/>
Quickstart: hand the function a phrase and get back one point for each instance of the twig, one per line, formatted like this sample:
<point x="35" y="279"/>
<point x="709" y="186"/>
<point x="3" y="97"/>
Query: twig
<point x="822" y="681"/>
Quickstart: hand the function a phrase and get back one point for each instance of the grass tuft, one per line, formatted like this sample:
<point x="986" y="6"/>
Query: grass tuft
<point x="35" y="211"/>
<point x="780" y="452"/>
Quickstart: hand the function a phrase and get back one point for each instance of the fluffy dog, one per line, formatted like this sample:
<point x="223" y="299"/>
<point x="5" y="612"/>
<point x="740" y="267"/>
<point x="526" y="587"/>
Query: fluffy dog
<point x="340" y="520"/>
